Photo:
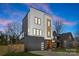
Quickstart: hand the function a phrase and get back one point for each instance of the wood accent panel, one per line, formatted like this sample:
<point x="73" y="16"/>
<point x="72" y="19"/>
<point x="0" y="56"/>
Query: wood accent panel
<point x="48" y="27"/>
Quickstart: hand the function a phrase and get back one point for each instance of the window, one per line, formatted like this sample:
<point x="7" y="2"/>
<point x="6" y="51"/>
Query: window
<point x="37" y="20"/>
<point x="40" y="32"/>
<point x="48" y="34"/>
<point x="37" y="32"/>
<point x="49" y="23"/>
<point x="69" y="37"/>
<point x="34" y="31"/>
<point x="28" y="30"/>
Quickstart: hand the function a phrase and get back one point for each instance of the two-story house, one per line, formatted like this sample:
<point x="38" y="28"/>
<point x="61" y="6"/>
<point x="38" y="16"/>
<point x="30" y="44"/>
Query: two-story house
<point x="37" y="28"/>
<point x="66" y="40"/>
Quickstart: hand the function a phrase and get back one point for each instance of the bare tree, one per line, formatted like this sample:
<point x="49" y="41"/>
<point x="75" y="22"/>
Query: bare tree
<point x="58" y="26"/>
<point x="77" y="33"/>
<point x="14" y="30"/>
<point x="3" y="39"/>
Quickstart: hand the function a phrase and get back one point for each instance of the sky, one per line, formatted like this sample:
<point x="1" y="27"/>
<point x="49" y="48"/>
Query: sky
<point x="67" y="12"/>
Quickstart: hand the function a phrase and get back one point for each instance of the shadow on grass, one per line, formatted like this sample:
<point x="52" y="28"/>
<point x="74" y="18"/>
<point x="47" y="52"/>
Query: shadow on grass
<point x="21" y="54"/>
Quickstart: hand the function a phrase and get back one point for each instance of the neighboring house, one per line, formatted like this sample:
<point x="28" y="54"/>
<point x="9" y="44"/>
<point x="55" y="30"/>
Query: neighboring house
<point x="66" y="40"/>
<point x="77" y="40"/>
<point x="37" y="30"/>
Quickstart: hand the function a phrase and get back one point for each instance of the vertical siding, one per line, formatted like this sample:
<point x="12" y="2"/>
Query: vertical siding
<point x="31" y="24"/>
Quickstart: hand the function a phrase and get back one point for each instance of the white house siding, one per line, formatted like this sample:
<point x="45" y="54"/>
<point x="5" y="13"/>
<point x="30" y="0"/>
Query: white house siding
<point x="31" y="24"/>
<point x="43" y="16"/>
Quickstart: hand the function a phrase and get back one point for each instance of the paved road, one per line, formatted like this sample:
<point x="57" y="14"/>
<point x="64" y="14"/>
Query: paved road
<point x="53" y="53"/>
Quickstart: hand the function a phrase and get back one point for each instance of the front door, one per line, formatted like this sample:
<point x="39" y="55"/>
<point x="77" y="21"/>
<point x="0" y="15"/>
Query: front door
<point x="49" y="44"/>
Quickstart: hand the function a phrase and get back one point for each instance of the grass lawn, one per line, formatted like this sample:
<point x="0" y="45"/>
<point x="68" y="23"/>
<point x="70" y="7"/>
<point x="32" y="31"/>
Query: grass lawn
<point x="21" y="54"/>
<point x="60" y="50"/>
<point x="33" y="54"/>
<point x="67" y="50"/>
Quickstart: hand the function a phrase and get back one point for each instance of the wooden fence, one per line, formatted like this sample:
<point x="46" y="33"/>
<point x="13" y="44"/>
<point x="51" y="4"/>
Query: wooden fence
<point x="11" y="48"/>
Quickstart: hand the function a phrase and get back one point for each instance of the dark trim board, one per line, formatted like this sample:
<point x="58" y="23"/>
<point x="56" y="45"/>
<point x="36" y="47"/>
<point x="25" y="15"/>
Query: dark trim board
<point x="33" y="43"/>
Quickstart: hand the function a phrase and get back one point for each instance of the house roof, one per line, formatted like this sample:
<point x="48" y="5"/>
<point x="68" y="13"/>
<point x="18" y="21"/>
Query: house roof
<point x="41" y="11"/>
<point x="66" y="36"/>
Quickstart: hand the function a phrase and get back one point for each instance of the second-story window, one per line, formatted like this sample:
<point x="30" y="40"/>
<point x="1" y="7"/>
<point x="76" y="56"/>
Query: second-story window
<point x="37" y="20"/>
<point x="37" y="32"/>
<point x="40" y="32"/>
<point x="49" y="34"/>
<point x="34" y="31"/>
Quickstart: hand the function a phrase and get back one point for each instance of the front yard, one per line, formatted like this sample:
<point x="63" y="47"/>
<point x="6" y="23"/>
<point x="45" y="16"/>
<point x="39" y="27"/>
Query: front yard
<point x="67" y="50"/>
<point x="21" y="54"/>
<point x="56" y="52"/>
